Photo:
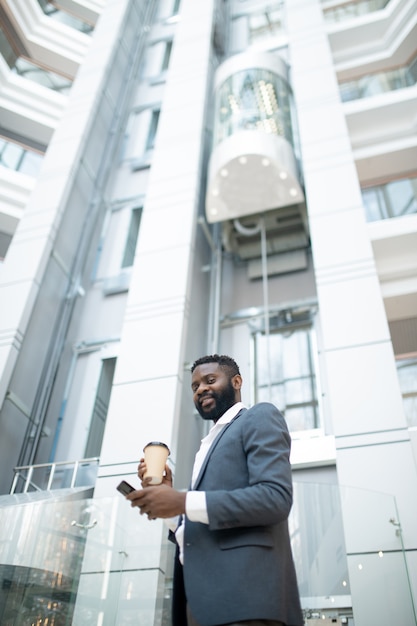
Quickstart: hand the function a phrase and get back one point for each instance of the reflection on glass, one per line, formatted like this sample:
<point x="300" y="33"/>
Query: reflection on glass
<point x="41" y="560"/>
<point x="17" y="158"/>
<point x="150" y="142"/>
<point x="352" y="9"/>
<point x="43" y="77"/>
<point x="81" y="562"/>
<point x="318" y="548"/>
<point x="253" y="99"/>
<point x="372" y="527"/>
<point x="407" y="375"/>
<point x="265" y="23"/>
<point x="380" y="82"/>
<point x="285" y="376"/>
<point x="394" y="199"/>
<point x="94" y="561"/>
<point x="51" y="10"/>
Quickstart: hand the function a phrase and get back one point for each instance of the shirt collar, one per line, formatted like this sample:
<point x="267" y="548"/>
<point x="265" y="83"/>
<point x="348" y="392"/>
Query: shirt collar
<point x="230" y="414"/>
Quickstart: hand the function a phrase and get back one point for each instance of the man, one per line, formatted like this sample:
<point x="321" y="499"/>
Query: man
<point x="236" y="562"/>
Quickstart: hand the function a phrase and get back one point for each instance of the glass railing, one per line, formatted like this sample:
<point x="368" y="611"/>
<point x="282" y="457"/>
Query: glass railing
<point x="348" y="10"/>
<point x="60" y="475"/>
<point x="81" y="562"/>
<point x="394" y="199"/>
<point x="96" y="561"/>
<point x="27" y="69"/>
<point x="377" y="558"/>
<point x="347" y="544"/>
<point x="41" y="77"/>
<point x="16" y="158"/>
<point x="379" y="82"/>
<point x="65" y="18"/>
<point x="407" y="376"/>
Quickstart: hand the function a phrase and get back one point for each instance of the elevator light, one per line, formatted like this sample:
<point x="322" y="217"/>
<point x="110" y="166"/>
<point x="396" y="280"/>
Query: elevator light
<point x="215" y="192"/>
<point x="265" y="162"/>
<point x="224" y="172"/>
<point x="283" y="175"/>
<point x="243" y="160"/>
<point x="293" y="192"/>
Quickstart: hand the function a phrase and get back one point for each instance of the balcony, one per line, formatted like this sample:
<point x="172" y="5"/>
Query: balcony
<point x="379" y="82"/>
<point x="341" y="11"/>
<point x="382" y="131"/>
<point x="394" y="199"/>
<point x="370" y="41"/>
<point x="391" y="211"/>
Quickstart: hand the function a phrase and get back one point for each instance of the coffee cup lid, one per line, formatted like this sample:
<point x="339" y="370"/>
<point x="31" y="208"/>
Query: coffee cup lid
<point x="157" y="443"/>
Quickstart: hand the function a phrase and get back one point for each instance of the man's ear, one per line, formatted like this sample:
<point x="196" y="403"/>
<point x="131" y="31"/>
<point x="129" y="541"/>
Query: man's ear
<point x="237" y="381"/>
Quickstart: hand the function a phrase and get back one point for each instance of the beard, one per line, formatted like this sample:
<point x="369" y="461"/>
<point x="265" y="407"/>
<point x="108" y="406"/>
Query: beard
<point x="222" y="401"/>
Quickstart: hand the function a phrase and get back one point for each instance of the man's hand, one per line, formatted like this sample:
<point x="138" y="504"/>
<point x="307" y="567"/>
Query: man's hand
<point x="166" y="479"/>
<point x="161" y="501"/>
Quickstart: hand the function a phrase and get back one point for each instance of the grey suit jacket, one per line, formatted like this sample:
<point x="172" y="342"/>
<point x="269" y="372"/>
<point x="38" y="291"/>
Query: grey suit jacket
<point x="240" y="566"/>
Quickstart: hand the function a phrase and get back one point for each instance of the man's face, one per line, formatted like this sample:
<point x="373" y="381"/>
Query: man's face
<point x="213" y="391"/>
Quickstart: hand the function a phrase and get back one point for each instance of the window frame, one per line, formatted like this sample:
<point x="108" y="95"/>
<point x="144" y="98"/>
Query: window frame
<point x="280" y="327"/>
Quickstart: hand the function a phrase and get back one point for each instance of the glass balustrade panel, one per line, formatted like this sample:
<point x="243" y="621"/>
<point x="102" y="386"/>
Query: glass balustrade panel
<point x="96" y="561"/>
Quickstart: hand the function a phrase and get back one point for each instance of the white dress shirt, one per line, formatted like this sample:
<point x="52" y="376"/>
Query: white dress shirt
<point x="195" y="501"/>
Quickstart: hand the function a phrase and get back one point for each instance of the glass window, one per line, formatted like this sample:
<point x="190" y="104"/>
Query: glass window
<point x="407" y="376"/>
<point x="101" y="406"/>
<point x="394" y="199"/>
<point x="5" y="240"/>
<point x="265" y="23"/>
<point x="65" y="18"/>
<point x="141" y="133"/>
<point x="17" y="158"/>
<point x="132" y="238"/>
<point x="150" y="142"/>
<point x="42" y="77"/>
<point x="176" y="7"/>
<point x="167" y="56"/>
<point x="352" y="9"/>
<point x="6" y="50"/>
<point x="285" y="375"/>
<point x="253" y="99"/>
<point x="11" y="155"/>
<point x="379" y="82"/>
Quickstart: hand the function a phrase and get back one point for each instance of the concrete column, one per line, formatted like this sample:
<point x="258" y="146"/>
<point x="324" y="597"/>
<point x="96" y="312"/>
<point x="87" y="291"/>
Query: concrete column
<point x="148" y="378"/>
<point x="375" y="464"/>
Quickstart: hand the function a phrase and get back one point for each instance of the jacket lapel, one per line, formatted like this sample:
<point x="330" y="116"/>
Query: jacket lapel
<point x="212" y="447"/>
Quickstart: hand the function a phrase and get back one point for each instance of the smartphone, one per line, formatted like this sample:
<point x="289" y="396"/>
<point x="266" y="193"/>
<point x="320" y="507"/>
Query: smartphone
<point x="125" y="488"/>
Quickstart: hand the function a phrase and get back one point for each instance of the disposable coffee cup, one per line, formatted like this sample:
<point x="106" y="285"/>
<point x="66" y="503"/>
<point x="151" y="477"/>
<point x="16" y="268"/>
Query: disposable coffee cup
<point x="156" y="454"/>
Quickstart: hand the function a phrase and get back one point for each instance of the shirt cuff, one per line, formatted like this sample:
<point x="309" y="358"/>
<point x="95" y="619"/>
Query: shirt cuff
<point x="172" y="523"/>
<point x="196" y="506"/>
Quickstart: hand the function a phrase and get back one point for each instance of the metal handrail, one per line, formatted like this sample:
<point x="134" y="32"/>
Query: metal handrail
<point x="25" y="472"/>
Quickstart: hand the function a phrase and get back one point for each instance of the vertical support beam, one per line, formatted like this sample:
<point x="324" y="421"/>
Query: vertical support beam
<point x="363" y="397"/>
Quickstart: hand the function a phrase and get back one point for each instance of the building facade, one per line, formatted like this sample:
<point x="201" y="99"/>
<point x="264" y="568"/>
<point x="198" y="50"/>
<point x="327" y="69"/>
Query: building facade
<point x="184" y="178"/>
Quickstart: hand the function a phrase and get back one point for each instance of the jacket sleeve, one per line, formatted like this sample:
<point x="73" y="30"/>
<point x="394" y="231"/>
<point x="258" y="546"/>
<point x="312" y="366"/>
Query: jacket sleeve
<point x="252" y="468"/>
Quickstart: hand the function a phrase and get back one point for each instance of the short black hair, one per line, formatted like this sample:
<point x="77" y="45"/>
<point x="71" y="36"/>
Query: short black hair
<point x="224" y="361"/>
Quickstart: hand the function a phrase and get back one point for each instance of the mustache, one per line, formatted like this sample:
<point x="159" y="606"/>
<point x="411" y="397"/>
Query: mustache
<point x="206" y="394"/>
